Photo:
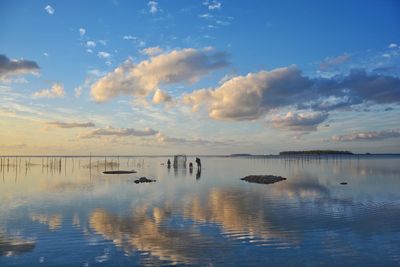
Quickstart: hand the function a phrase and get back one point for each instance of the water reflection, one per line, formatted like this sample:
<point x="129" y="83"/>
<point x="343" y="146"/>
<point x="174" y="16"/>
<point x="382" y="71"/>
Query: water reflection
<point x="215" y="219"/>
<point x="14" y="246"/>
<point x="145" y="231"/>
<point x="54" y="222"/>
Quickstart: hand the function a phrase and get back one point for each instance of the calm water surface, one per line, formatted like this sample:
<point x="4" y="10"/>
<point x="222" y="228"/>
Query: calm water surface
<point x="77" y="216"/>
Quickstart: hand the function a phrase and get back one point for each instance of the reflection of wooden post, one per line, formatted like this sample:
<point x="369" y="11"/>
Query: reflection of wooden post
<point x="105" y="164"/>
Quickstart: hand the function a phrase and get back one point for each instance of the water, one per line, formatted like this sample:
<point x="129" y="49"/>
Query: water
<point x="72" y="215"/>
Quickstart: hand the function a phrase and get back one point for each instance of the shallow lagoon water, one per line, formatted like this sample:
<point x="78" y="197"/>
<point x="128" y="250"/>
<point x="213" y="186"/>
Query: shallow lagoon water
<point x="77" y="216"/>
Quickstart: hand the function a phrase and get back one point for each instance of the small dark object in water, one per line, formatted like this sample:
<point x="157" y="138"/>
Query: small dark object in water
<point x="143" y="180"/>
<point x="343" y="183"/>
<point x="263" y="179"/>
<point x="119" y="172"/>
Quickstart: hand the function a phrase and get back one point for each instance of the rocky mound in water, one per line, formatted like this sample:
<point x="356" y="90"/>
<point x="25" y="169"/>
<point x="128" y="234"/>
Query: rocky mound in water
<point x="263" y="179"/>
<point x="143" y="180"/>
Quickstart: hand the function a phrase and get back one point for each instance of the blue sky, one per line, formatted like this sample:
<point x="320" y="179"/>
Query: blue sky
<point x="208" y="77"/>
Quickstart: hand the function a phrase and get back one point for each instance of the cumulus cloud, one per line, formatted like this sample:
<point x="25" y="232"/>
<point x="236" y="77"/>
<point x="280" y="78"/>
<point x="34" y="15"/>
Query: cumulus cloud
<point x="82" y="31"/>
<point x="152" y="51"/>
<point x="330" y="62"/>
<point x="56" y="91"/>
<point x="103" y="55"/>
<point x="90" y="44"/>
<point x="60" y="124"/>
<point x="161" y="97"/>
<point x="370" y="87"/>
<point x="11" y="67"/>
<point x="367" y="136"/>
<point x="304" y="122"/>
<point x="49" y="9"/>
<point x="212" y="4"/>
<point x="153" y="7"/>
<point x="248" y="97"/>
<point x="142" y="79"/>
<point x="393" y="45"/>
<point x="120" y="132"/>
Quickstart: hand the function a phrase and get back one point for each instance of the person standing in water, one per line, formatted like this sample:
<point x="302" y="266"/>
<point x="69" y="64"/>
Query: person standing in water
<point x="169" y="164"/>
<point x="190" y="167"/>
<point x="198" y="161"/>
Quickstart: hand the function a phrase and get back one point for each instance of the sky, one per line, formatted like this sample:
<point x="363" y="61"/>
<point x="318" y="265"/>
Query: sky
<point x="198" y="77"/>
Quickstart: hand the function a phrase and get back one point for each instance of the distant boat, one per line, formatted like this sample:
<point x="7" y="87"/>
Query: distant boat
<point x="119" y="172"/>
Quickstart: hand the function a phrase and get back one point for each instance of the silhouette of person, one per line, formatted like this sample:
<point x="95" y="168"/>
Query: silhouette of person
<point x="169" y="164"/>
<point x="190" y="167"/>
<point x="198" y="162"/>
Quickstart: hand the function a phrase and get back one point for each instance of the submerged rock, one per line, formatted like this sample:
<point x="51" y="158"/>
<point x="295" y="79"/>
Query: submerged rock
<point x="263" y="179"/>
<point x="343" y="183"/>
<point x="143" y="180"/>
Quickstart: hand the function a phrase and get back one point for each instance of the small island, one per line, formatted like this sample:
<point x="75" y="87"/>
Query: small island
<point x="263" y="179"/>
<point x="315" y="152"/>
<point x="119" y="172"/>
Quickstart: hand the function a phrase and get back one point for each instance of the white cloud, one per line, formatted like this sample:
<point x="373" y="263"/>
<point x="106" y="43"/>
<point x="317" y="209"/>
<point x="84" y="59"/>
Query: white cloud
<point x="206" y="16"/>
<point x="248" y="97"/>
<point x="129" y="37"/>
<point x="142" y="79"/>
<point x="331" y="62"/>
<point x="212" y="4"/>
<point x="103" y="55"/>
<point x="303" y="122"/>
<point x="56" y="91"/>
<point x="153" y="7"/>
<point x="45" y="54"/>
<point x="161" y="97"/>
<point x="103" y="42"/>
<point x="90" y="51"/>
<point x="393" y="45"/>
<point x="120" y="132"/>
<point x="82" y="31"/>
<point x="12" y="67"/>
<point x="49" y="9"/>
<point x="90" y="44"/>
<point x="367" y="136"/>
<point x="141" y="43"/>
<point x="152" y="51"/>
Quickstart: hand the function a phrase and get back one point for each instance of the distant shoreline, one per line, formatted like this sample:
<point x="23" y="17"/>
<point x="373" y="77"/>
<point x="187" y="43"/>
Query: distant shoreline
<point x="218" y="156"/>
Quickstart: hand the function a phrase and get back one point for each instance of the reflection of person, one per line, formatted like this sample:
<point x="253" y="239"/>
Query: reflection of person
<point x="198" y="161"/>
<point x="190" y="167"/>
<point x="169" y="164"/>
<point x="198" y="174"/>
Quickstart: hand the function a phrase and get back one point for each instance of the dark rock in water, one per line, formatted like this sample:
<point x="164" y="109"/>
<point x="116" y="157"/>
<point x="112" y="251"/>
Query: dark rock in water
<point x="119" y="172"/>
<point x="263" y="179"/>
<point x="343" y="183"/>
<point x="143" y="180"/>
